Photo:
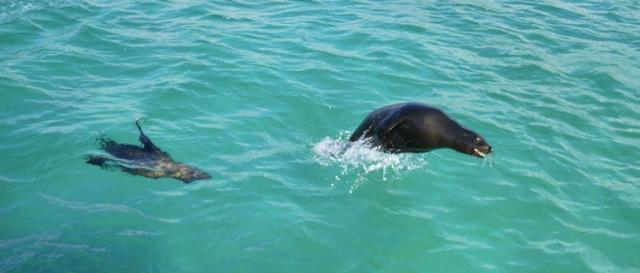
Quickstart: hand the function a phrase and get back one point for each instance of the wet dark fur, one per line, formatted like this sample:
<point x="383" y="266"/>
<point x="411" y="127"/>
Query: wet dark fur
<point x="417" y="128"/>
<point x="147" y="160"/>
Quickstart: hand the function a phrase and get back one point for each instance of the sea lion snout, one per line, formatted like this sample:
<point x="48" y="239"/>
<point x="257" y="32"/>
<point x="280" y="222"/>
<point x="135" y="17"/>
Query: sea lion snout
<point x="482" y="150"/>
<point x="471" y="143"/>
<point x="479" y="147"/>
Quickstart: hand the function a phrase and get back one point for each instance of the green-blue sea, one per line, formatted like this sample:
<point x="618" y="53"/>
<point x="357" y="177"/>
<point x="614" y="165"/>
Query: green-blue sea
<point x="263" y="96"/>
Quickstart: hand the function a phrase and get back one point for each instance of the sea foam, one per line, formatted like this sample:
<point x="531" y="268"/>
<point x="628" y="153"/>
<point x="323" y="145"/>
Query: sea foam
<point x="360" y="161"/>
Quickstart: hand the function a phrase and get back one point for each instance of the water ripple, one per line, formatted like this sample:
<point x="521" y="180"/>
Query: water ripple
<point x="105" y="208"/>
<point x="258" y="93"/>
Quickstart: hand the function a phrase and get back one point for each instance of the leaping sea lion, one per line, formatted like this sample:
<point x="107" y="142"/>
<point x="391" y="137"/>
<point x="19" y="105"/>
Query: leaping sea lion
<point x="147" y="160"/>
<point x="417" y="128"/>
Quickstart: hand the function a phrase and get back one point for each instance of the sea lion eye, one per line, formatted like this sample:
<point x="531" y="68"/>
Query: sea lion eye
<point x="477" y="140"/>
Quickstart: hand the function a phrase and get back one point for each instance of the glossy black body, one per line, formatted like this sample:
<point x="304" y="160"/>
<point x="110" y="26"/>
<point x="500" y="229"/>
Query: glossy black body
<point x="416" y="128"/>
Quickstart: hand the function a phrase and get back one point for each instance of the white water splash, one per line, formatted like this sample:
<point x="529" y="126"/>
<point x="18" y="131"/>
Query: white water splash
<point x="359" y="159"/>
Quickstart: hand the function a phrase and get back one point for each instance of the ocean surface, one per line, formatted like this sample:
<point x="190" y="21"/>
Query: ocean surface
<point x="264" y="94"/>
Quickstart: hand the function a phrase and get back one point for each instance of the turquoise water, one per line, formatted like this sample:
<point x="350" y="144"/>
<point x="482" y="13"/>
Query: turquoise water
<point x="260" y="94"/>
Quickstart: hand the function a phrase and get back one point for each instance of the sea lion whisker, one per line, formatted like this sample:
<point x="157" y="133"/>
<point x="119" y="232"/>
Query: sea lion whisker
<point x="492" y="159"/>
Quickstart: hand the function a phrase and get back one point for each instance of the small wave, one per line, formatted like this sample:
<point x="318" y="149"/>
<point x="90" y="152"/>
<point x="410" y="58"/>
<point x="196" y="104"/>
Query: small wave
<point x="105" y="208"/>
<point x="13" y="9"/>
<point x="360" y="160"/>
<point x="10" y="10"/>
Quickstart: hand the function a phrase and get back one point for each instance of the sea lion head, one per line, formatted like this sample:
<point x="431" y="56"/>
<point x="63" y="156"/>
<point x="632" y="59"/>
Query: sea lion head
<point x="189" y="174"/>
<point x="473" y="144"/>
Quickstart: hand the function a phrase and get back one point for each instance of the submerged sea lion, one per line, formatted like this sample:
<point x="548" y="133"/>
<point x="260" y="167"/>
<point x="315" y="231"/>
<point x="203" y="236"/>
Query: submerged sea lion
<point x="147" y="160"/>
<point x="417" y="128"/>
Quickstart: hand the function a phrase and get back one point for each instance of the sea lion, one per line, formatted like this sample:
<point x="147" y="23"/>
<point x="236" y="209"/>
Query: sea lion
<point x="147" y="160"/>
<point x="417" y="128"/>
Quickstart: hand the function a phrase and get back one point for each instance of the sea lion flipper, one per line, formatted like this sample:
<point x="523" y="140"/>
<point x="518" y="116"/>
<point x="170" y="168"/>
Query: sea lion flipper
<point x="96" y="160"/>
<point x="387" y="126"/>
<point x="148" y="145"/>
<point x="138" y="122"/>
<point x="102" y="162"/>
<point x="105" y="143"/>
<point x="386" y="135"/>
